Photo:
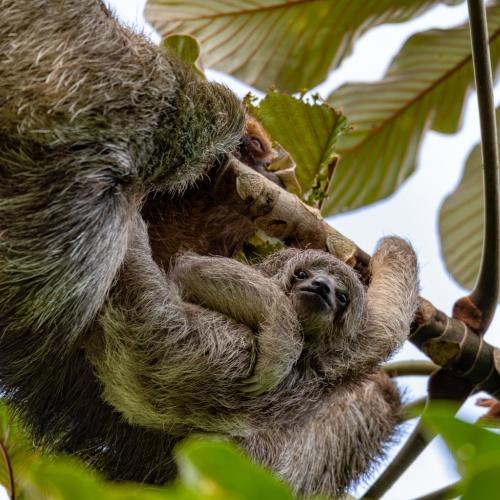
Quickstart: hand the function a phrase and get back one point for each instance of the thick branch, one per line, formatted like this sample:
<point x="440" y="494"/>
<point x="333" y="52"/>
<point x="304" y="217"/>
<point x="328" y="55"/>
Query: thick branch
<point x="447" y="341"/>
<point x="486" y="290"/>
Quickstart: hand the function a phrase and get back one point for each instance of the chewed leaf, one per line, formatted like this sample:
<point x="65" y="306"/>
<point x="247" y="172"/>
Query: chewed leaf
<point x="185" y="48"/>
<point x="308" y="131"/>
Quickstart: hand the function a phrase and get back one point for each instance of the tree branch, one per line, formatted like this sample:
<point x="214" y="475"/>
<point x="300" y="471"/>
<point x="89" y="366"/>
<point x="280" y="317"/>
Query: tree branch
<point x="409" y="368"/>
<point x="486" y="290"/>
<point x="415" y="444"/>
<point x="447" y="493"/>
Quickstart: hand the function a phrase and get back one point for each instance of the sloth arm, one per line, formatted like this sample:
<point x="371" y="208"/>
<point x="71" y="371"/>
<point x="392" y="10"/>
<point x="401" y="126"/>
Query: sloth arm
<point x="392" y="300"/>
<point x="392" y="297"/>
<point x="334" y="446"/>
<point x="246" y="295"/>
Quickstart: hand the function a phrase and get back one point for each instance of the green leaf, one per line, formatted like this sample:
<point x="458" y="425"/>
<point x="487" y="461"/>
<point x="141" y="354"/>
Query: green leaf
<point x="185" y="48"/>
<point x="461" y="222"/>
<point x="424" y="88"/>
<point x="220" y="468"/>
<point x="476" y="450"/>
<point x="307" y="130"/>
<point x="291" y="44"/>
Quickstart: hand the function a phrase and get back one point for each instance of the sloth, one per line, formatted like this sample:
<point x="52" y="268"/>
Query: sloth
<point x="104" y="353"/>
<point x="335" y="336"/>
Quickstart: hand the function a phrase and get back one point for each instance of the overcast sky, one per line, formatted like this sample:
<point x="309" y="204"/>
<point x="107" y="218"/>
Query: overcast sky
<point x="411" y="212"/>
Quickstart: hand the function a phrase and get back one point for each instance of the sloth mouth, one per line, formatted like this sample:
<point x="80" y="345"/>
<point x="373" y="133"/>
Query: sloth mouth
<point x="315" y="295"/>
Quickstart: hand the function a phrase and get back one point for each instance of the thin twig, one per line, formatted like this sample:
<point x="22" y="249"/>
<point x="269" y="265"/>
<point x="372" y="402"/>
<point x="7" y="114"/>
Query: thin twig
<point x="486" y="289"/>
<point x="10" y="472"/>
<point x="447" y="493"/>
<point x="409" y="368"/>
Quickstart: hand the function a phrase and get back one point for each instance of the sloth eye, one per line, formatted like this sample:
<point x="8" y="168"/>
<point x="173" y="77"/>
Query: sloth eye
<point x="301" y="275"/>
<point x="342" y="298"/>
<point x="256" y="144"/>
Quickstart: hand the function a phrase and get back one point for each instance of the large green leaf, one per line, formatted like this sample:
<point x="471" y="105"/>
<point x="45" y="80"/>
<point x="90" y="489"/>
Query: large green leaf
<point x="461" y="222"/>
<point x="288" y="43"/>
<point x="424" y="88"/>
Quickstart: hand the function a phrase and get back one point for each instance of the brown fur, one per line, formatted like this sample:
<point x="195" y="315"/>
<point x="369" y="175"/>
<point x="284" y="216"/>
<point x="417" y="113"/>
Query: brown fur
<point x="194" y="221"/>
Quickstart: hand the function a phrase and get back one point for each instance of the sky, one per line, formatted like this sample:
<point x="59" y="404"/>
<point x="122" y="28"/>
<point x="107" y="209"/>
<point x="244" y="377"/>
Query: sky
<point x="411" y="212"/>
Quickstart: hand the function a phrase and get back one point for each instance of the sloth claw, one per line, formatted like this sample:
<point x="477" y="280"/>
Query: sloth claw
<point x="259" y="383"/>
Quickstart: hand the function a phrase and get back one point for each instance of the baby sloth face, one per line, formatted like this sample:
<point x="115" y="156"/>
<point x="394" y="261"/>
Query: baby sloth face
<point x="330" y="302"/>
<point x="319" y="297"/>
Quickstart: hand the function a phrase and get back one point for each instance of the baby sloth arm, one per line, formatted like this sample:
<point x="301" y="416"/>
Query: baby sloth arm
<point x="168" y="361"/>
<point x="251" y="298"/>
<point x="335" y="446"/>
<point x="392" y="300"/>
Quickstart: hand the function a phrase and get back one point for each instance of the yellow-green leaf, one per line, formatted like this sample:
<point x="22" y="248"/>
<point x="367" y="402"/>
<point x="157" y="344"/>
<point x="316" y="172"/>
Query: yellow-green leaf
<point x="185" y="48"/>
<point x="291" y="44"/>
<point x="307" y="130"/>
<point x="461" y="222"/>
<point x="424" y="88"/>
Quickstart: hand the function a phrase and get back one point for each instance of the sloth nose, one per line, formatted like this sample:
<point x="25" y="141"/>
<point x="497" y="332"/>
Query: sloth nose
<point x="322" y="285"/>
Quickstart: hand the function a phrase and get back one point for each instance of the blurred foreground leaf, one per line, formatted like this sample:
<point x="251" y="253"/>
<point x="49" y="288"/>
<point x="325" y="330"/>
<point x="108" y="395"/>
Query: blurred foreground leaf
<point x="218" y="467"/>
<point x="476" y="450"/>
<point x="209" y="468"/>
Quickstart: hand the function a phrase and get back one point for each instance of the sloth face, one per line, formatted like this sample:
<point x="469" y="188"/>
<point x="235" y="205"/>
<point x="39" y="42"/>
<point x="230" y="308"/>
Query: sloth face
<point x="330" y="302"/>
<point x="320" y="299"/>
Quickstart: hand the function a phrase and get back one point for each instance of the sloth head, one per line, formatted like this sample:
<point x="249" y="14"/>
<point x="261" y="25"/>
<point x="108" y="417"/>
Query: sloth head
<point x="330" y="302"/>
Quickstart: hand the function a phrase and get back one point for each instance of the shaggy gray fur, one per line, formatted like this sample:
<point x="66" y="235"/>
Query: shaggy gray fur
<point x="92" y="117"/>
<point x="102" y="353"/>
<point x="168" y="362"/>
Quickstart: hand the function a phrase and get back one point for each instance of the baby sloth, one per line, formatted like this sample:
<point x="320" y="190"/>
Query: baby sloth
<point x="329" y="419"/>
<point x="312" y="327"/>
